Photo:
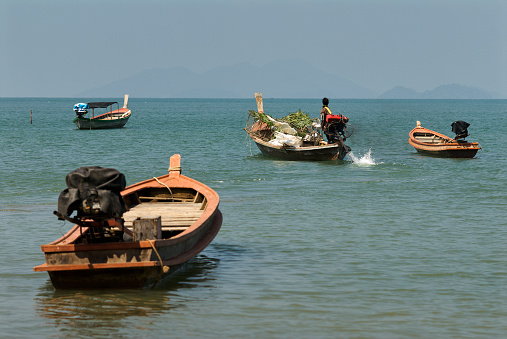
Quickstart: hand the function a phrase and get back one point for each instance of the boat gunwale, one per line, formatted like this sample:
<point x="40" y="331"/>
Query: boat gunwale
<point x="80" y="267"/>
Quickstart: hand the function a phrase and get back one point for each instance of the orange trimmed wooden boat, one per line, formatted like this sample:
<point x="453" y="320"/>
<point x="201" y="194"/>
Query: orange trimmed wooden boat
<point x="168" y="221"/>
<point x="322" y="152"/>
<point x="431" y="143"/>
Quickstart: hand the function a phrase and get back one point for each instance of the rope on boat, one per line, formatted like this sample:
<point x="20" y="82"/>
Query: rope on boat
<point x="248" y="141"/>
<point x="161" y="183"/>
<point x="60" y="229"/>
<point x="156" y="252"/>
<point x="163" y="269"/>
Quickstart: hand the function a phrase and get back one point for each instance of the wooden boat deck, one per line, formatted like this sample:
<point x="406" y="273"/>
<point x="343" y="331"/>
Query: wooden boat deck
<point x="175" y="216"/>
<point x="429" y="138"/>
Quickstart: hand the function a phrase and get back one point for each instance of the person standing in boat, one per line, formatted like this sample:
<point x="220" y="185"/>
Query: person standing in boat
<point x="331" y="124"/>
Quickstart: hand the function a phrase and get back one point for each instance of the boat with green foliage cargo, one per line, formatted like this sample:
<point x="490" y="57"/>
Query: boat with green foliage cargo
<point x="300" y="138"/>
<point x="112" y="118"/>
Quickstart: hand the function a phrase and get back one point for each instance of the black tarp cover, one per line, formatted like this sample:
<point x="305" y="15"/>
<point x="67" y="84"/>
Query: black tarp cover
<point x="460" y="128"/>
<point x="83" y="182"/>
<point x="102" y="104"/>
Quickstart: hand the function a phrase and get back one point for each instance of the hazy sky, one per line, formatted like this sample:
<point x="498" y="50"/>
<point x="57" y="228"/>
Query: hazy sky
<point x="58" y="48"/>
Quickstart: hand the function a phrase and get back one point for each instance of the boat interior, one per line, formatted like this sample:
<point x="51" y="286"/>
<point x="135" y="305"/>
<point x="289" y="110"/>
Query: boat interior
<point x="112" y="115"/>
<point x="429" y="138"/>
<point x="265" y="133"/>
<point x="178" y="208"/>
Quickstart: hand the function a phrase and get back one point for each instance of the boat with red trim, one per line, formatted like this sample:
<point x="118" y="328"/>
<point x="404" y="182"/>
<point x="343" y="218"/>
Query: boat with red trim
<point x="129" y="237"/>
<point x="435" y="144"/>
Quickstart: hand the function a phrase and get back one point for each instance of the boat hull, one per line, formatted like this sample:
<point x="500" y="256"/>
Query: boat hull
<point x="311" y="153"/>
<point x="134" y="278"/>
<point x="467" y="153"/>
<point x="431" y="143"/>
<point x="114" y="119"/>
<point x="131" y="266"/>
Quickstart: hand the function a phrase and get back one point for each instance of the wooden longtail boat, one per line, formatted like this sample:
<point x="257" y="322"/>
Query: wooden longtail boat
<point x="431" y="143"/>
<point x="168" y="221"/>
<point x="314" y="150"/>
<point x="311" y="153"/>
<point x="112" y="119"/>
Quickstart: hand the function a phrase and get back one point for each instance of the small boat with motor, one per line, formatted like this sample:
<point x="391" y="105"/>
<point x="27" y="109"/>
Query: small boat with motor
<point x="432" y="143"/>
<point x="112" y="118"/>
<point x="129" y="237"/>
<point x="280" y="140"/>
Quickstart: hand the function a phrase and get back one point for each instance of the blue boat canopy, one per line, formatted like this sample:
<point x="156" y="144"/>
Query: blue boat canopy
<point x="81" y="107"/>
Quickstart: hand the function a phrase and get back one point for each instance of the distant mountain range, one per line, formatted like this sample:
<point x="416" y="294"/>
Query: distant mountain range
<point x="280" y="79"/>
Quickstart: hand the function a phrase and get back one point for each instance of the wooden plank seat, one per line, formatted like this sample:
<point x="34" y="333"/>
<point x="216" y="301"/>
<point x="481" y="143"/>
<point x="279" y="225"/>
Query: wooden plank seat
<point x="429" y="139"/>
<point x="175" y="216"/>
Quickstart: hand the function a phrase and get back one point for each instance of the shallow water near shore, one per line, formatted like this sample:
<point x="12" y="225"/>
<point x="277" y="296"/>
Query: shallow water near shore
<point x="385" y="244"/>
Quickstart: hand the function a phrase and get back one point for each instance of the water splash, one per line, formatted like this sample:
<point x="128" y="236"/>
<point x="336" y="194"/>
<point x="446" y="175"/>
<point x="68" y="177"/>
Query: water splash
<point x="366" y="159"/>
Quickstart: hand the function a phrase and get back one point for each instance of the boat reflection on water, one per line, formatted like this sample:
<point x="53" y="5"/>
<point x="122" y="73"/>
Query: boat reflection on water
<point x="96" y="310"/>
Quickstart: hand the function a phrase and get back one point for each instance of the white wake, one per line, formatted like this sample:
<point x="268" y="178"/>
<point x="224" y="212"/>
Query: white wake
<point x="366" y="159"/>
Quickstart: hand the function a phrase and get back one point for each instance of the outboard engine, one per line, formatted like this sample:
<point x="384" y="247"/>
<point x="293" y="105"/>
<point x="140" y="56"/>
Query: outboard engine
<point x="81" y="109"/>
<point x="460" y="128"/>
<point x="94" y="194"/>
<point x="337" y="129"/>
<point x="337" y="133"/>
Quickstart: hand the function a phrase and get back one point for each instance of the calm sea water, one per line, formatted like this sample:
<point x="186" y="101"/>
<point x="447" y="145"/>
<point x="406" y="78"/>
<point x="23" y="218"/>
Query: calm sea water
<point x="387" y="244"/>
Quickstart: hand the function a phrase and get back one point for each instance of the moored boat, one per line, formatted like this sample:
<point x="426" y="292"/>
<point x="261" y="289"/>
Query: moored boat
<point x="113" y="118"/>
<point x="435" y="144"/>
<point x="130" y="238"/>
<point x="279" y="140"/>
